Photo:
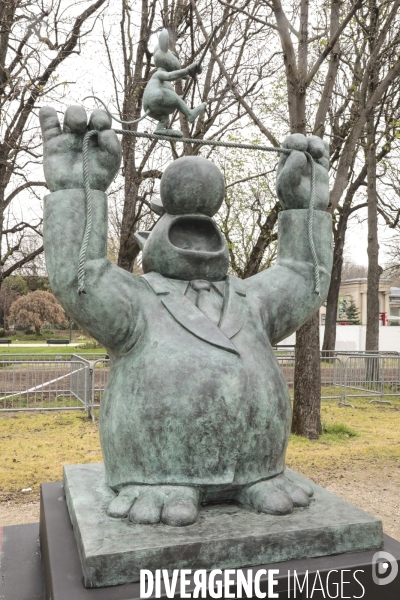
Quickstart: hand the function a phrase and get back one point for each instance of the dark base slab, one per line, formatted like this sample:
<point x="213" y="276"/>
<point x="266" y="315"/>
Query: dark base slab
<point x="113" y="551"/>
<point x="21" y="571"/>
<point x="20" y="564"/>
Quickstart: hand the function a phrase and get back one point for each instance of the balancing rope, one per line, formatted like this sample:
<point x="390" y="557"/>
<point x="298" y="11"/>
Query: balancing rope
<point x="199" y="142"/>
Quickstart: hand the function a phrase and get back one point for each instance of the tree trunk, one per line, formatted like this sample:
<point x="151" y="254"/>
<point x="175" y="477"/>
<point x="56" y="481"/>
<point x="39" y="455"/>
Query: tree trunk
<point x="336" y="279"/>
<point x="136" y="74"/>
<point x="307" y="381"/>
<point x="128" y="248"/>
<point x="372" y="338"/>
<point x="265" y="237"/>
<point x="329" y="342"/>
<point x="307" y="371"/>
<point x="340" y="235"/>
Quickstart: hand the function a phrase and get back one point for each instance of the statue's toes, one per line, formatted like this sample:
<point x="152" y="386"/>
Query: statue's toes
<point x="120" y="506"/>
<point x="296" y="493"/>
<point x="181" y="507"/>
<point x="267" y="498"/>
<point x="306" y="487"/>
<point x="147" y="508"/>
<point x="195" y="112"/>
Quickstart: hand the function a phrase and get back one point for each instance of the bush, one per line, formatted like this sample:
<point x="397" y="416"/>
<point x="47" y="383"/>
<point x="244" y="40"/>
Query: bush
<point x="37" y="310"/>
<point x="29" y="332"/>
<point x="90" y="345"/>
<point x="2" y="333"/>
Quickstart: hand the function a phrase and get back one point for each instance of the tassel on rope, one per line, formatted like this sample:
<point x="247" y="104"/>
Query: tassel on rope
<point x="199" y="142"/>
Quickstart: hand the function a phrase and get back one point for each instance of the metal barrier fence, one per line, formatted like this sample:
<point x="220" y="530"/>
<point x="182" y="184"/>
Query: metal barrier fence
<point x="290" y="351"/>
<point x="9" y="358"/>
<point x="40" y="385"/>
<point x="101" y="370"/>
<point x="35" y="383"/>
<point x="331" y="376"/>
<point x="81" y="381"/>
<point x="342" y="353"/>
<point x="371" y="376"/>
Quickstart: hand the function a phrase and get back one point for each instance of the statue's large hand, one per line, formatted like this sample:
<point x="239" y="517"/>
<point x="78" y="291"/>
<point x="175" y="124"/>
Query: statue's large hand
<point x="62" y="155"/>
<point x="293" y="179"/>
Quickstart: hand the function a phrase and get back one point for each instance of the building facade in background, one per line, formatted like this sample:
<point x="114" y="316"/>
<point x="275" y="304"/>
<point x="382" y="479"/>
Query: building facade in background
<point x="356" y="290"/>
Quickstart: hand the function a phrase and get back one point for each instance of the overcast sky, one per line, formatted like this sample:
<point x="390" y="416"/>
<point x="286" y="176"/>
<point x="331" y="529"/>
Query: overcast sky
<point x="88" y="73"/>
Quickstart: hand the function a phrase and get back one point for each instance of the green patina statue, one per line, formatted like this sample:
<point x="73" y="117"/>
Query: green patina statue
<point x="159" y="98"/>
<point x="196" y="409"/>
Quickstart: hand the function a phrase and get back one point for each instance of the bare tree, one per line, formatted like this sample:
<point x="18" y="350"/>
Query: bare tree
<point x="253" y="41"/>
<point x="352" y="270"/>
<point x="237" y="44"/>
<point x="228" y="82"/>
<point x="301" y="72"/>
<point x="35" y="38"/>
<point x="370" y="113"/>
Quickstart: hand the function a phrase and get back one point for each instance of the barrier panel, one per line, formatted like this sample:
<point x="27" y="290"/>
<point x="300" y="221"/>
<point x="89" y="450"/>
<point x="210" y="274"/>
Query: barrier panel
<point x="81" y="380"/>
<point x="331" y="378"/>
<point x="101" y="370"/>
<point x="35" y="383"/>
<point x="331" y="375"/>
<point x="40" y="385"/>
<point x="10" y="358"/>
<point x="374" y="376"/>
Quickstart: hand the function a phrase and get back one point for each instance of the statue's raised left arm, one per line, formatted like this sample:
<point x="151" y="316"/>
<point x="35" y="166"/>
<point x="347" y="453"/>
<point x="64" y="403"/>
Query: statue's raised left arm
<point x="286" y="292"/>
<point x="111" y="292"/>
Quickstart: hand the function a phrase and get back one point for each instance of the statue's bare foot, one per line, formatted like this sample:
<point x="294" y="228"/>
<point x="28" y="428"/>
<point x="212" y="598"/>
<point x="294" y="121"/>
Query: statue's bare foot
<point x="277" y="496"/>
<point x="170" y="132"/>
<point x="176" y="506"/>
<point x="195" y="112"/>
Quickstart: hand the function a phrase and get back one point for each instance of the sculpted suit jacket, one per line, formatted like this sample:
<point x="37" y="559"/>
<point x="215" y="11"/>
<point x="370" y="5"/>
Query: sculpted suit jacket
<point x="190" y="399"/>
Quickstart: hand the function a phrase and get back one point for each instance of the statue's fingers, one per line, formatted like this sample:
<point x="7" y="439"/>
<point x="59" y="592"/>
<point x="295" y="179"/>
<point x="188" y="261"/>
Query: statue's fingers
<point x="291" y="173"/>
<point x="109" y="145"/>
<point x="319" y="150"/>
<point x="75" y="120"/>
<point x="49" y="123"/>
<point x="316" y="147"/>
<point x="324" y="162"/>
<point x="296" y="141"/>
<point x="100" y="120"/>
<point x="282" y="161"/>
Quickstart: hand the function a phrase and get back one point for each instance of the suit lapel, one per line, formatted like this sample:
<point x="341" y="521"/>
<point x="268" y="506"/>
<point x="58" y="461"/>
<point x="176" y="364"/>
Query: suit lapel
<point x="233" y="313"/>
<point x="187" y="314"/>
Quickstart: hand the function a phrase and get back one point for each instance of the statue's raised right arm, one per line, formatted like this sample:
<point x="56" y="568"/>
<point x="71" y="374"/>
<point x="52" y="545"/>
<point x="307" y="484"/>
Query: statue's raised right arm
<point x="286" y="293"/>
<point x="105" y="310"/>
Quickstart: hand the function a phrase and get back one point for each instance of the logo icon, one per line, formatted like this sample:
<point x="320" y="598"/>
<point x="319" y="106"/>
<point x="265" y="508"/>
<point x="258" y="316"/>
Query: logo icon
<point x="384" y="568"/>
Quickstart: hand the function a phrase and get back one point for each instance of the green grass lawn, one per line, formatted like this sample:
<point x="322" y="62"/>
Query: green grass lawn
<point x="35" y="446"/>
<point x="6" y="351"/>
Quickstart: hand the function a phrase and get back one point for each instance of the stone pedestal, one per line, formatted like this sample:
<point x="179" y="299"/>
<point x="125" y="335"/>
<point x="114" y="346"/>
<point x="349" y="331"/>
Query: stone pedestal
<point x="113" y="551"/>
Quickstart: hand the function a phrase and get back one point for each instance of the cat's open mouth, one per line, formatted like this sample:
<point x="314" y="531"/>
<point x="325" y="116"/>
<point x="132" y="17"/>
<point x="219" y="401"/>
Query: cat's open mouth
<point x="195" y="233"/>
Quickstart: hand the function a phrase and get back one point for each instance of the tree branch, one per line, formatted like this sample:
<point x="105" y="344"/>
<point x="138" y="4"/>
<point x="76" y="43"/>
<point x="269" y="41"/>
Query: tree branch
<point x="332" y="42"/>
<point x="22" y="262"/>
<point x="22" y="187"/>
<point x="237" y="95"/>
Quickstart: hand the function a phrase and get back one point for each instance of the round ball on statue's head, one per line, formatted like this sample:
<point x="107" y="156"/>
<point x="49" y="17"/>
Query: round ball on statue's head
<point x="192" y="184"/>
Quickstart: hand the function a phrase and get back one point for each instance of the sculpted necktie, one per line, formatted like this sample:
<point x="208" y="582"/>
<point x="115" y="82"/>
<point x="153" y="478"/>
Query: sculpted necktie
<point x="208" y="300"/>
